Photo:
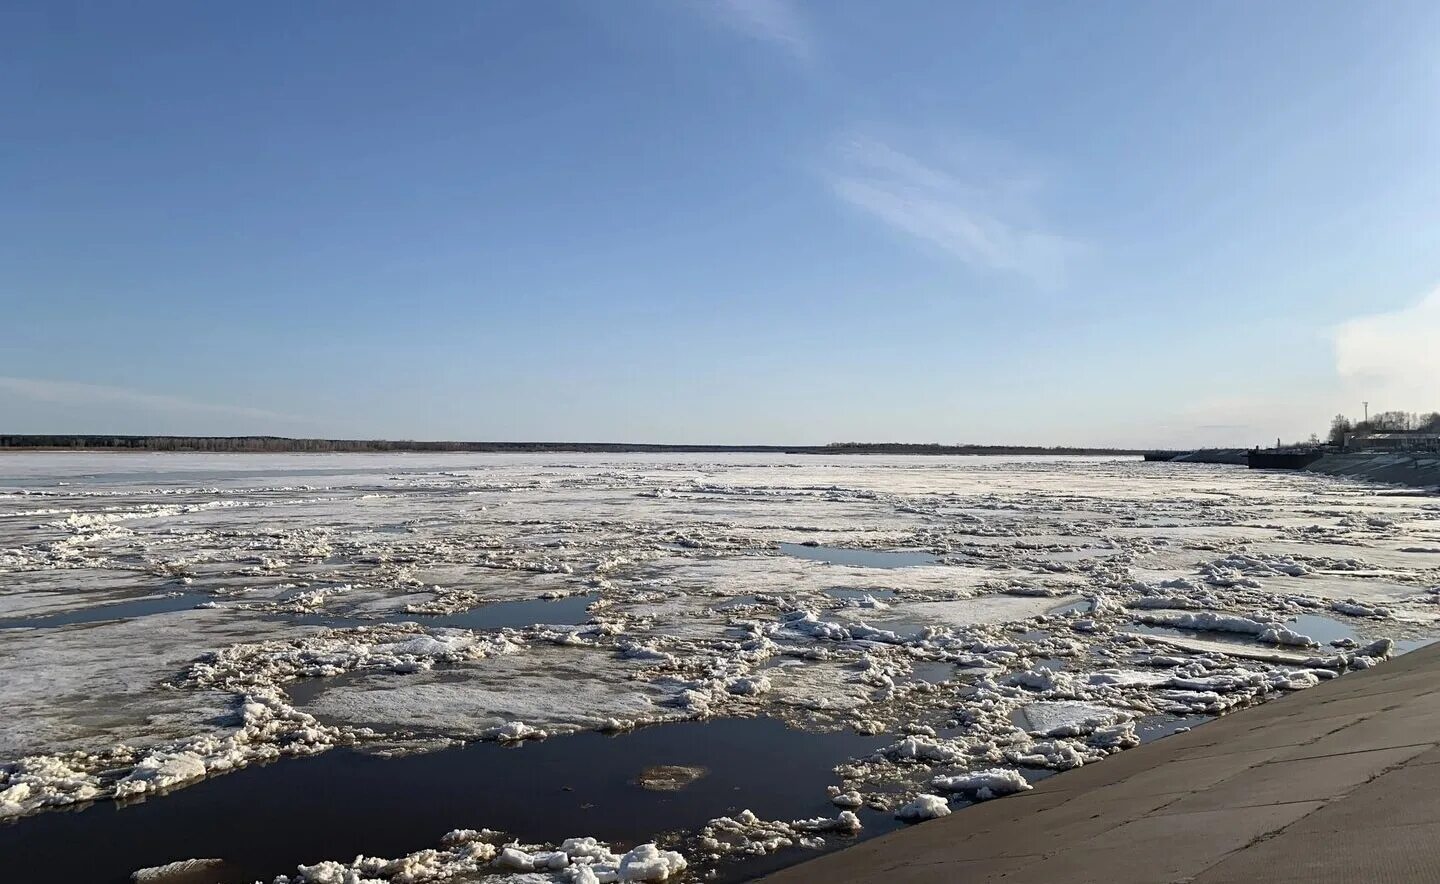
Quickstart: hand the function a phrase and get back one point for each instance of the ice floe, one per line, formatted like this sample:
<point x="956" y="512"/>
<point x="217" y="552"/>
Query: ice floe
<point x="923" y="807"/>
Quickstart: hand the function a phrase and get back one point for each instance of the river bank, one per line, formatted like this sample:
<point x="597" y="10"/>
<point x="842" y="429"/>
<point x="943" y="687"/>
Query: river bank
<point x="1415" y="470"/>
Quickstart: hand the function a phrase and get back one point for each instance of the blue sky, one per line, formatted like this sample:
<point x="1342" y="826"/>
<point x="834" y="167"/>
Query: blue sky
<point x="744" y="221"/>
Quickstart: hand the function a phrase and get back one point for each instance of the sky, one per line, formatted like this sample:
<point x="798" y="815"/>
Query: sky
<point x="729" y="221"/>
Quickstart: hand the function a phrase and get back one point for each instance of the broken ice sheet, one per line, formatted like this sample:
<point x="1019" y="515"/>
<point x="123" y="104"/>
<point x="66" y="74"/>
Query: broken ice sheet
<point x="646" y="596"/>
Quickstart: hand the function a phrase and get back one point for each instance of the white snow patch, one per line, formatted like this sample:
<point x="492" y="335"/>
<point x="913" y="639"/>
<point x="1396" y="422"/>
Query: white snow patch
<point x="984" y="784"/>
<point x="923" y="807"/>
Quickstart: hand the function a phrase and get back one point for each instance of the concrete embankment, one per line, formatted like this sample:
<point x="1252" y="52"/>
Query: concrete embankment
<point x="1417" y="470"/>
<point x="1334" y="784"/>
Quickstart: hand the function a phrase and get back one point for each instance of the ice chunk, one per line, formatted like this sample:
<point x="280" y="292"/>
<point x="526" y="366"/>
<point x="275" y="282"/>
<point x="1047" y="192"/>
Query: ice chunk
<point x="750" y="686"/>
<point x="669" y="777"/>
<point x="1210" y="621"/>
<point x="984" y="784"/>
<point x="185" y="871"/>
<point x="923" y="807"/>
<point x="514" y="732"/>
<point x="161" y="771"/>
<point x="1354" y="608"/>
<point x="1381" y="648"/>
<point x="1068" y="718"/>
<point x="1281" y="636"/>
<point x="648" y="862"/>
<point x="513" y="859"/>
<point x="920" y="748"/>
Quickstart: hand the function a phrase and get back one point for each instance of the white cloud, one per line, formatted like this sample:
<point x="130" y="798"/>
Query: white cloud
<point x="1393" y="359"/>
<point x="773" y="21"/>
<point x="982" y="218"/>
<point x="70" y="393"/>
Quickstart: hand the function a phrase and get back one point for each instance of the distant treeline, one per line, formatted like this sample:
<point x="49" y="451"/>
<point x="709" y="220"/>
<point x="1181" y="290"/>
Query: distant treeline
<point x="281" y="443"/>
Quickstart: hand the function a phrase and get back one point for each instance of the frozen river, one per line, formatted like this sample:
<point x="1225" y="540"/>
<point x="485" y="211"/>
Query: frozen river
<point x="578" y="668"/>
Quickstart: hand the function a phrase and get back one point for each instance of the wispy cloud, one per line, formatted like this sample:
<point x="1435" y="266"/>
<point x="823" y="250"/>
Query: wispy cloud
<point x="980" y="217"/>
<point x="70" y="393"/>
<point x="777" y="22"/>
<point x="1392" y="359"/>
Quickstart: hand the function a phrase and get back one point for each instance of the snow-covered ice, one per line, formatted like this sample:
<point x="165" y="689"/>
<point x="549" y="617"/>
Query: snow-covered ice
<point x="923" y="807"/>
<point x="984" y="784"/>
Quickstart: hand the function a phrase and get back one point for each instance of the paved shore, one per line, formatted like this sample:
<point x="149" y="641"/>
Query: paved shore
<point x="1417" y="469"/>
<point x="1339" y="783"/>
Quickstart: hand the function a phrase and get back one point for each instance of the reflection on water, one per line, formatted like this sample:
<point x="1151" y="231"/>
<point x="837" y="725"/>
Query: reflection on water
<point x="1083" y="606"/>
<point x="180" y="601"/>
<point x="862" y="558"/>
<point x="265" y="820"/>
<point x="1227" y="638"/>
<point x="568" y="611"/>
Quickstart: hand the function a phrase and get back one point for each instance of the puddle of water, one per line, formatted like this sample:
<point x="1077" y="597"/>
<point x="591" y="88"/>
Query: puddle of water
<point x="568" y="611"/>
<point x="1084" y="606"/>
<point x="1226" y="638"/>
<point x="303" y="692"/>
<point x="905" y="629"/>
<point x="116" y="611"/>
<point x="1155" y="727"/>
<point x="1327" y="629"/>
<point x="846" y="592"/>
<point x="863" y="558"/>
<point x="1413" y="644"/>
<point x="265" y="820"/>
<point x="932" y="671"/>
<point x="1323" y="629"/>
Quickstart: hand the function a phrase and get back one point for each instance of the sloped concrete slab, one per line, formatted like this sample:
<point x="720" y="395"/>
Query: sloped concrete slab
<point x="1339" y="783"/>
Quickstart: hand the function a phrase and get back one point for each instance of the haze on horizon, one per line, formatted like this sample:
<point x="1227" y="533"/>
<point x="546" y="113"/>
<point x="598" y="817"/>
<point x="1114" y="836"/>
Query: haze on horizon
<point x="738" y="221"/>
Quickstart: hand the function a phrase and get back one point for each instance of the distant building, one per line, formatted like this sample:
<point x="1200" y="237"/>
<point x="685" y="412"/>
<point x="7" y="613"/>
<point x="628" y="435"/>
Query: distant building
<point x="1392" y="441"/>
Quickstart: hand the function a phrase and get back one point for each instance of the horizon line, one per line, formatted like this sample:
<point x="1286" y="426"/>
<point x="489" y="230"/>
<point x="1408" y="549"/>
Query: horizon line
<point x="144" y="441"/>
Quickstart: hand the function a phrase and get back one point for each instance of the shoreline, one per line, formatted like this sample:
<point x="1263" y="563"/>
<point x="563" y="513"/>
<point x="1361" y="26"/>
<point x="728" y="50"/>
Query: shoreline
<point x="274" y="445"/>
